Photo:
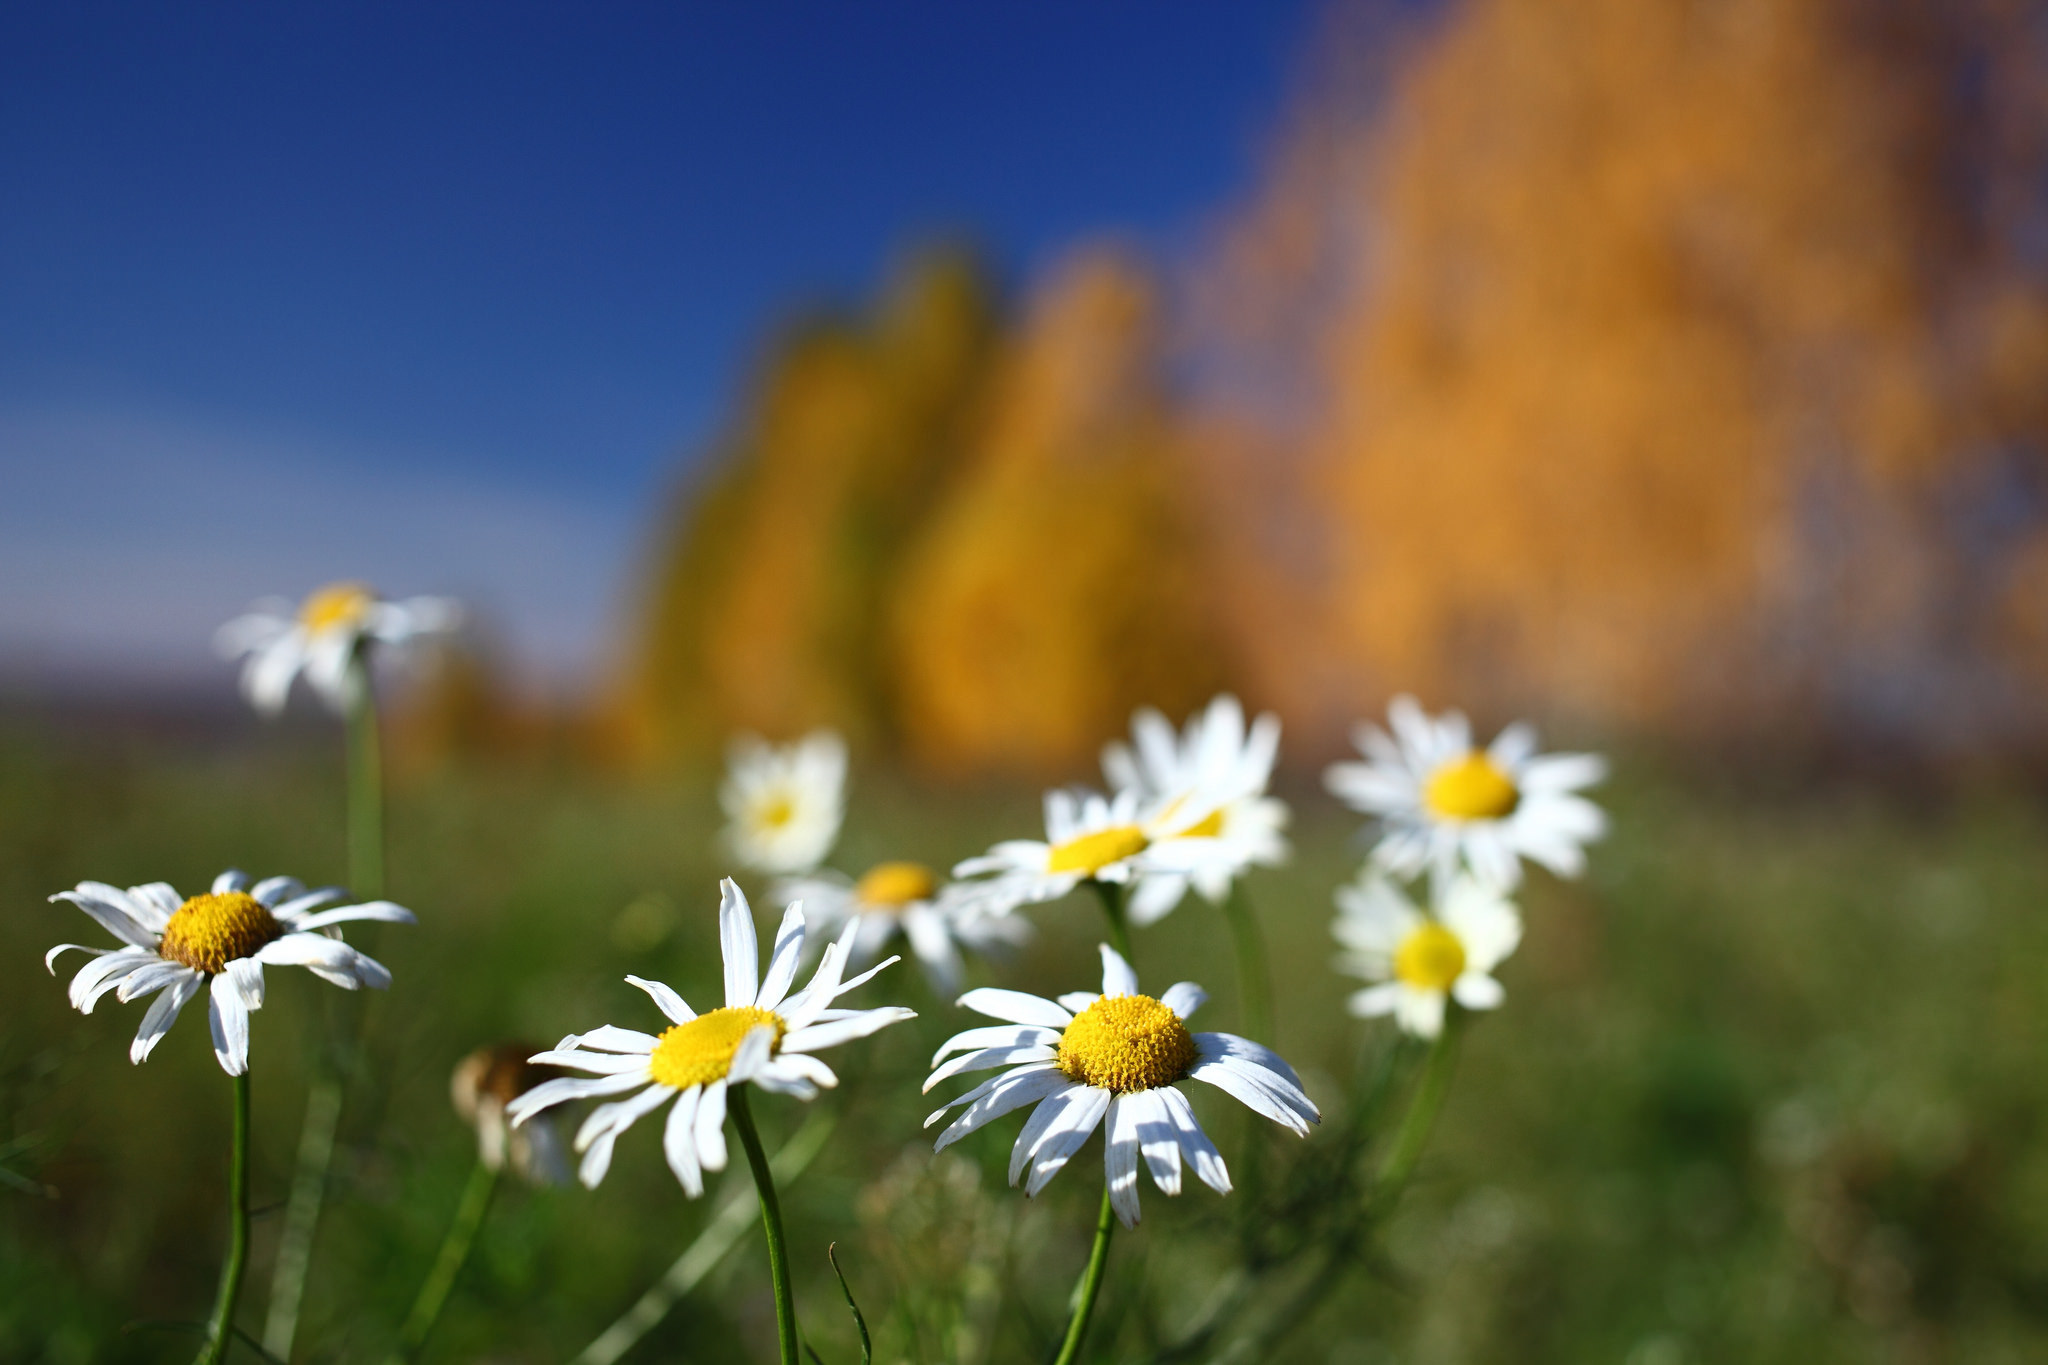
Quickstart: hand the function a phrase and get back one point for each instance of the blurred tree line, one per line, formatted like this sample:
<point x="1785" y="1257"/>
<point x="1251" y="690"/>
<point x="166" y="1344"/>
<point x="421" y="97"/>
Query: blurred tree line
<point x="1681" y="365"/>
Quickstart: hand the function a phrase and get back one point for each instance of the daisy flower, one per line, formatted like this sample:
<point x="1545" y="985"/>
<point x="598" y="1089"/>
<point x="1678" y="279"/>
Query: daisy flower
<point x="221" y="940"/>
<point x="486" y="1081"/>
<point x="902" y="897"/>
<point x="1419" y="962"/>
<point x="762" y="1036"/>
<point x="321" y="636"/>
<point x="1204" y="791"/>
<point x="1442" y="800"/>
<point x="784" y="804"/>
<point x="1112" y="1060"/>
<point x="1088" y="838"/>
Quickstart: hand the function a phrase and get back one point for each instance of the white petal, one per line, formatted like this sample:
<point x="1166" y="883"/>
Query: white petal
<point x="789" y="946"/>
<point x="1016" y="1007"/>
<point x="1057" y="1108"/>
<point x="996" y="1035"/>
<point x="597" y="1063"/>
<point x="738" y="946"/>
<point x="229" y="1018"/>
<point x="624" y="1115"/>
<point x="563" y="1089"/>
<point x="306" y="902"/>
<point x="665" y="999"/>
<point x="998" y="1096"/>
<point x="751" y="1055"/>
<point x="611" y="1038"/>
<point x="1079" y="1000"/>
<point x="1117" y="976"/>
<point x="679" y="1142"/>
<point x="162" y="1013"/>
<point x="1374" y="1001"/>
<point x="383" y="912"/>
<point x="806" y="1066"/>
<point x="50" y="958"/>
<point x="1157" y="1139"/>
<point x="106" y="973"/>
<point x="1184" y="998"/>
<point x="819" y="1036"/>
<point x="230" y="880"/>
<point x="711" y="1127"/>
<point x="1230" y="1045"/>
<point x="1478" y="991"/>
<point x="1120" y="1159"/>
<point x="990" y="1057"/>
<point x="1194" y="1143"/>
<point x="112" y="918"/>
<point x="1246" y="1089"/>
<point x="151" y="976"/>
<point x="247" y="974"/>
<point x="1066" y="1138"/>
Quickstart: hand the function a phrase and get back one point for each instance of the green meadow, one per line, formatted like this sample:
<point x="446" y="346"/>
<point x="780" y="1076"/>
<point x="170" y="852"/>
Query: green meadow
<point x="1769" y="1085"/>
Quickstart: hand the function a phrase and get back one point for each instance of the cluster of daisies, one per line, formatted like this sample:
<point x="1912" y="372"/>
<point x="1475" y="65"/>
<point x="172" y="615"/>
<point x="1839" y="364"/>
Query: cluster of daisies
<point x="1426" y="923"/>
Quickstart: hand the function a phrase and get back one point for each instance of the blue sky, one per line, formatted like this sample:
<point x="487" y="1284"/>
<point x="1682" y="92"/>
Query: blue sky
<point x="445" y="295"/>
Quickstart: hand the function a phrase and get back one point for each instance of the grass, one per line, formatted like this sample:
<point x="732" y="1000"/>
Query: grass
<point x="1768" y="1087"/>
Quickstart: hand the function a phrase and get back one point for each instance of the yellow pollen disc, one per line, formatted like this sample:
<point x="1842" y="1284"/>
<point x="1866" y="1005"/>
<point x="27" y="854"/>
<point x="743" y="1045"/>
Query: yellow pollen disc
<point x="1126" y="1042"/>
<point x="775" y="812"/>
<point x="700" y="1052"/>
<point x="1471" y="788"/>
<point x="335" y="606"/>
<point x="208" y="932"/>
<point x="891" y="886"/>
<point x="1209" y="827"/>
<point x="1430" y="959"/>
<point x="1091" y="853"/>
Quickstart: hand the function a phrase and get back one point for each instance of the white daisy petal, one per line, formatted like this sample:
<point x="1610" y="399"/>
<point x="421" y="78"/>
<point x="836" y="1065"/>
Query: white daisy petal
<point x="1015" y="1007"/>
<point x="162" y="1013"/>
<point x="751" y="1055"/>
<point x="597" y="1063"/>
<point x="998" y="1096"/>
<point x="106" y="973"/>
<point x="611" y="1038"/>
<point x="1183" y="998"/>
<point x="1477" y="991"/>
<point x="229" y="1019"/>
<point x="1061" y="1105"/>
<point x="711" y="1127"/>
<point x="111" y="917"/>
<point x="230" y="880"/>
<point x="562" y="1090"/>
<point x="679" y="1142"/>
<point x="1246" y="1089"/>
<point x="1158" y="1140"/>
<point x="665" y="999"/>
<point x="50" y="958"/>
<point x="816" y="1037"/>
<point x="1076" y="1001"/>
<point x="384" y="912"/>
<point x="987" y="1058"/>
<point x="598" y="1159"/>
<point x="1120" y="1158"/>
<point x="1117" y="976"/>
<point x="1195" y="1145"/>
<point x="782" y="959"/>
<point x="738" y="946"/>
<point x="996" y="1035"/>
<point x="1066" y="1137"/>
<point x="151" y="976"/>
<point x="1230" y="1045"/>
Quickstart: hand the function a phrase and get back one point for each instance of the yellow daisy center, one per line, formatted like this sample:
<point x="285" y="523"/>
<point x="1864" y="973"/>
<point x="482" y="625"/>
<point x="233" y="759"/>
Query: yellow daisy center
<point x="1126" y="1042"/>
<point x="775" y="811"/>
<point x="700" y="1052"/>
<point x="891" y="886"/>
<point x="1209" y="826"/>
<point x="1090" y="853"/>
<point x="208" y="932"/>
<point x="1430" y="959"/>
<point x="336" y="606"/>
<point x="1471" y="788"/>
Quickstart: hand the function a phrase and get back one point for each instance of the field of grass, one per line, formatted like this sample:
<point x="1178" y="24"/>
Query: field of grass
<point x="1769" y="1086"/>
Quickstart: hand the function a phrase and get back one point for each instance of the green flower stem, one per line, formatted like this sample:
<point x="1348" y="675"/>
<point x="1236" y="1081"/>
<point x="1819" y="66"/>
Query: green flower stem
<point x="462" y="1230"/>
<point x="324" y="1098"/>
<point x="736" y="1104"/>
<point x="222" y="1328"/>
<point x="1415" y="1128"/>
<point x="1112" y="894"/>
<point x="1090" y="1286"/>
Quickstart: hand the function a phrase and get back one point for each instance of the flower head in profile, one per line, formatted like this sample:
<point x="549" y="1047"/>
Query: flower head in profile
<point x="783" y="804"/>
<point x="484" y="1083"/>
<point x="1088" y="837"/>
<point x="762" y="1036"/>
<point x="321" y="636"/>
<point x="1202" y="792"/>
<point x="221" y="940"/>
<point x="1417" y="962"/>
<point x="1444" y="801"/>
<point x="904" y="898"/>
<point x="1113" y="1060"/>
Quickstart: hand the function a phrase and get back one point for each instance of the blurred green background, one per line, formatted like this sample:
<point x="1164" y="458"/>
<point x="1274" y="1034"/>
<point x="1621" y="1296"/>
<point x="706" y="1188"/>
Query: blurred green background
<point x="1767" y="1086"/>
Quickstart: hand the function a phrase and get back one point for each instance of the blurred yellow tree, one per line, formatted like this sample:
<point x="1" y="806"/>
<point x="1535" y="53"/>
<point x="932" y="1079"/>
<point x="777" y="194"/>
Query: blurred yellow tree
<point x="766" y="600"/>
<point x="1681" y="363"/>
<point x="1063" y="581"/>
